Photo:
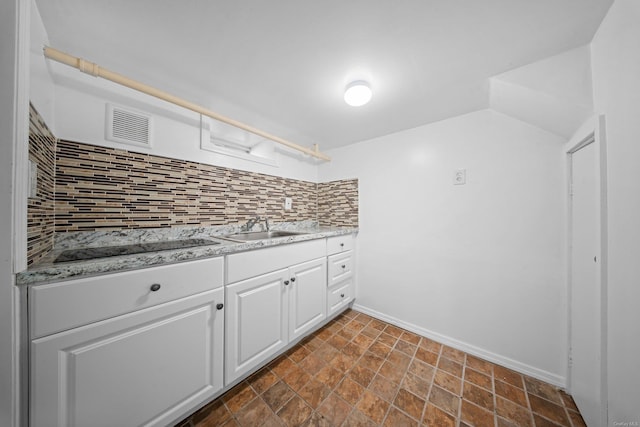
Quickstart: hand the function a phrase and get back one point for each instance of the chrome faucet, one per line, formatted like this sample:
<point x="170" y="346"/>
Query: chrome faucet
<point x="253" y="221"/>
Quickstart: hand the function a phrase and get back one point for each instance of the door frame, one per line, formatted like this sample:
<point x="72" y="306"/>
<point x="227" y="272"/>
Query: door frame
<point x="593" y="128"/>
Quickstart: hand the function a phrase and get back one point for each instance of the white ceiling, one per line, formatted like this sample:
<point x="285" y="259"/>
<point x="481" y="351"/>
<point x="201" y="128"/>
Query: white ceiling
<point x="282" y="65"/>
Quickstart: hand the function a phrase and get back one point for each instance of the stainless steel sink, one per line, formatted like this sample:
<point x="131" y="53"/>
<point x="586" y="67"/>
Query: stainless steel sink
<point x="260" y="235"/>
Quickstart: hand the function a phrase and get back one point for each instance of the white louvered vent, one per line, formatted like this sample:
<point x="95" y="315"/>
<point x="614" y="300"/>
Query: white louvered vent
<point x="128" y="126"/>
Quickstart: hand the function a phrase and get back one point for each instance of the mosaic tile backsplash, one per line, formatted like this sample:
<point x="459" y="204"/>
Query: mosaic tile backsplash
<point x="87" y="188"/>
<point x="40" y="209"/>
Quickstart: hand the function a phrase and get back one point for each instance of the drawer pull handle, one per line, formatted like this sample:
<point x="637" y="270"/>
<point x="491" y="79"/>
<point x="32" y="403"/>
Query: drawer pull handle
<point x="286" y="283"/>
<point x="344" y="266"/>
<point x="342" y="245"/>
<point x="220" y="306"/>
<point x="293" y="279"/>
<point x="155" y="287"/>
<point x="342" y="295"/>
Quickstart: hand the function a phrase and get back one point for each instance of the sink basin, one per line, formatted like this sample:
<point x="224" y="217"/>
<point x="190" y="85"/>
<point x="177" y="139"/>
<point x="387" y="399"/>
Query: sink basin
<point x="261" y="235"/>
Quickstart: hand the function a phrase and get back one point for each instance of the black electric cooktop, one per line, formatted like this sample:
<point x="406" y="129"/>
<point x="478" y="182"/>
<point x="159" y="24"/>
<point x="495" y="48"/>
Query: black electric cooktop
<point x="108" y="251"/>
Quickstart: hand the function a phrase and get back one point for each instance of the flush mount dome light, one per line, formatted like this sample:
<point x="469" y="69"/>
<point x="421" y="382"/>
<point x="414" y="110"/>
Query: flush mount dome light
<point x="357" y="93"/>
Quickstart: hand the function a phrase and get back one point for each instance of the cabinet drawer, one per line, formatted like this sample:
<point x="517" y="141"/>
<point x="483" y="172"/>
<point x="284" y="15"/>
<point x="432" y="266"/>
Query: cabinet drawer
<point x="339" y="296"/>
<point x="339" y="244"/>
<point x="244" y="265"/>
<point x="340" y="267"/>
<point x="60" y="306"/>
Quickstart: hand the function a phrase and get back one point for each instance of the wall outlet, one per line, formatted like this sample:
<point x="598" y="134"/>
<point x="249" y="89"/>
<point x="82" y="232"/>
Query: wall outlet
<point x="288" y="203"/>
<point x="460" y="177"/>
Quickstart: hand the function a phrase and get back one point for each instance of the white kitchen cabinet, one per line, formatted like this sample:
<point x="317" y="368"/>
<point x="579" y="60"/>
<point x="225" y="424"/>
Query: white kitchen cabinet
<point x="307" y="293"/>
<point x="144" y="368"/>
<point x="136" y="348"/>
<point x="267" y="312"/>
<point x="339" y="296"/>
<point x="341" y="280"/>
<point x="256" y="323"/>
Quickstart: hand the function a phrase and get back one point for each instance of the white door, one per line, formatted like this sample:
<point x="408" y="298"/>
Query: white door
<point x="307" y="296"/>
<point x="146" y="368"/>
<point x="256" y="322"/>
<point x="586" y="327"/>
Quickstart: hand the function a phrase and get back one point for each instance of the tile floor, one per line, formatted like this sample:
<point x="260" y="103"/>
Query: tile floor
<point x="359" y="371"/>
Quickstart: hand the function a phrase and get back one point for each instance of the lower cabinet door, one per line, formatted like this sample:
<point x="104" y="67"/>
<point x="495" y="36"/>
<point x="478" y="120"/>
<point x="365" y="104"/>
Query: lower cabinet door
<point x="256" y="323"/>
<point x="145" y="368"/>
<point x="307" y="296"/>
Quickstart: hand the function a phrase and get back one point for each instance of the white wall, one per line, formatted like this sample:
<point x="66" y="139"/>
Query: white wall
<point x="41" y="86"/>
<point x="616" y="77"/>
<point x="80" y="116"/>
<point x="479" y="266"/>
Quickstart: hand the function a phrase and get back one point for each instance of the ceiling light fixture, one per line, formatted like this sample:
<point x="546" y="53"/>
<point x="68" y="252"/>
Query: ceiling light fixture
<point x="357" y="93"/>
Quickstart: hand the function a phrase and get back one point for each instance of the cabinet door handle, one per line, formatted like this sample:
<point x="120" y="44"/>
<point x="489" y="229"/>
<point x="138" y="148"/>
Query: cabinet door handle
<point x="293" y="279"/>
<point x="342" y="245"/>
<point x="220" y="306"/>
<point x="344" y="266"/>
<point x="286" y="283"/>
<point x="342" y="295"/>
<point x="155" y="287"/>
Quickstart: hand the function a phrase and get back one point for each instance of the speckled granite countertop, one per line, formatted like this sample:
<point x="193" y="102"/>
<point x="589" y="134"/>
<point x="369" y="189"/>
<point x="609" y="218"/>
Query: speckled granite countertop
<point x="46" y="271"/>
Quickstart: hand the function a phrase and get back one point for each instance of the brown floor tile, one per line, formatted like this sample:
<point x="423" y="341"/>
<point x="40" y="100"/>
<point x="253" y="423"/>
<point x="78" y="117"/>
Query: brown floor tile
<point x="444" y="400"/>
<point x="511" y="393"/>
<point x="436" y="417"/>
<point x="478" y="396"/>
<point x="576" y="419"/>
<point x="277" y="395"/>
<point x="396" y="418"/>
<point x="508" y="376"/>
<point x="358" y="419"/>
<point x="386" y="376"/>
<point x="544" y="390"/>
<point x="448" y="382"/>
<point x="373" y="406"/>
<point x="262" y="380"/>
<point x="392" y="372"/>
<point x="371" y="361"/>
<point x="329" y="376"/>
<point x="295" y="412"/>
<point x="432" y="346"/>
<point x="239" y="396"/>
<point x="409" y="403"/>
<point x="297" y="378"/>
<point x="548" y="409"/>
<point x="517" y="414"/>
<point x="426" y="356"/>
<point x="387" y="339"/>
<point x="314" y="392"/>
<point x="353" y="350"/>
<point x="416" y="385"/>
<point x="337" y="341"/>
<point x="213" y="414"/>
<point x="298" y="353"/>
<point x="253" y="414"/>
<point x="422" y="370"/>
<point x="384" y="388"/>
<point x="350" y="391"/>
<point x="450" y="366"/>
<point x="476" y="415"/>
<point x="312" y="364"/>
<point x="362" y="375"/>
<point x="343" y="363"/>
<point x="281" y="366"/>
<point x="479" y="365"/>
<point x="477" y="378"/>
<point x="453" y="354"/>
<point x="380" y="350"/>
<point x="335" y="409"/>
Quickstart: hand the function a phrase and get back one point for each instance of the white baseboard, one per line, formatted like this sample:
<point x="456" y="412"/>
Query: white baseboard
<point x="523" y="368"/>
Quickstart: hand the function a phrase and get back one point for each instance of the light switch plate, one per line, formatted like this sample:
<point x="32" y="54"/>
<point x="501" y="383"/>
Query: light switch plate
<point x="460" y="177"/>
<point x="33" y="179"/>
<point x="288" y="203"/>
